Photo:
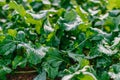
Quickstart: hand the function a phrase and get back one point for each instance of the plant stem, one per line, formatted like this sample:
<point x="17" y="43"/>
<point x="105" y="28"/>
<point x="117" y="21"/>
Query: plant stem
<point x="25" y="72"/>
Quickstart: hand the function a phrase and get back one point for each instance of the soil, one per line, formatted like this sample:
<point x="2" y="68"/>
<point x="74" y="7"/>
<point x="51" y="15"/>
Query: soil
<point x="27" y="76"/>
<point x="23" y="74"/>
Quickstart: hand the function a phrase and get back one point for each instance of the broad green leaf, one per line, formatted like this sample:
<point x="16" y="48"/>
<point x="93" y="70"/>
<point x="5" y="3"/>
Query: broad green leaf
<point x="50" y="36"/>
<point x="80" y="75"/>
<point x="34" y="56"/>
<point x="19" y="8"/>
<point x="18" y="61"/>
<point x="46" y="2"/>
<point x="53" y="61"/>
<point x="60" y="37"/>
<point x="41" y="76"/>
<point x="116" y="68"/>
<point x="48" y="27"/>
<point x="105" y="76"/>
<point x="30" y="19"/>
<point x="83" y="62"/>
<point x="2" y="37"/>
<point x="114" y="13"/>
<point x="79" y="58"/>
<point x="5" y="62"/>
<point x="116" y="42"/>
<point x="2" y="2"/>
<point x="38" y="27"/>
<point x="83" y="15"/>
<point x="21" y="36"/>
<point x="93" y="53"/>
<point x="12" y="32"/>
<point x="106" y="50"/>
<point x="113" y="4"/>
<point x="53" y="57"/>
<point x="4" y="70"/>
<point x="36" y="5"/>
<point x="70" y="15"/>
<point x="83" y="77"/>
<point x="103" y="62"/>
<point x="70" y="25"/>
<point x="114" y="76"/>
<point x="7" y="47"/>
<point x="32" y="35"/>
<point x="75" y="56"/>
<point x="52" y="71"/>
<point x="117" y="23"/>
<point x="84" y="27"/>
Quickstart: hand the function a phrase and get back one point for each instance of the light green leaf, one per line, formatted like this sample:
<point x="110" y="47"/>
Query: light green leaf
<point x="19" y="8"/>
<point x="12" y="32"/>
<point x="38" y="27"/>
<point x="113" y="4"/>
<point x="83" y="15"/>
<point x="41" y="76"/>
<point x="80" y="75"/>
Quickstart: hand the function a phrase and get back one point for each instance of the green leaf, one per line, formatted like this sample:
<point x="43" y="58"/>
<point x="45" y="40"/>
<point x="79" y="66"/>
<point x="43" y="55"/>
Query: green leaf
<point x="83" y="77"/>
<point x="70" y="15"/>
<point x="114" y="13"/>
<point x="79" y="58"/>
<point x="18" y="61"/>
<point x="93" y="53"/>
<point x="80" y="75"/>
<point x="75" y="56"/>
<point x="2" y="2"/>
<point x="2" y="37"/>
<point x="12" y="32"/>
<point x="70" y="25"/>
<point x="106" y="50"/>
<point x="34" y="56"/>
<point x="32" y="19"/>
<point x="116" y="42"/>
<point x="83" y="15"/>
<point x="114" y="76"/>
<point x="116" y="68"/>
<point x="5" y="62"/>
<point x="53" y="57"/>
<point x="38" y="27"/>
<point x="113" y="4"/>
<point x="4" y="70"/>
<point x="52" y="71"/>
<point x="53" y="61"/>
<point x="41" y="76"/>
<point x="7" y="47"/>
<point x="103" y="62"/>
<point x="21" y="36"/>
<point x="48" y="27"/>
<point x="19" y="8"/>
<point x="105" y="76"/>
<point x="83" y="27"/>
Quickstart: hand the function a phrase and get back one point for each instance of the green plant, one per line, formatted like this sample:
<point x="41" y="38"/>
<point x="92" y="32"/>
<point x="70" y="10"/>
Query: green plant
<point x="67" y="39"/>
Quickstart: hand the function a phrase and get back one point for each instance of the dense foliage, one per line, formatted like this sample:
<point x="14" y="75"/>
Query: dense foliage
<point x="65" y="39"/>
